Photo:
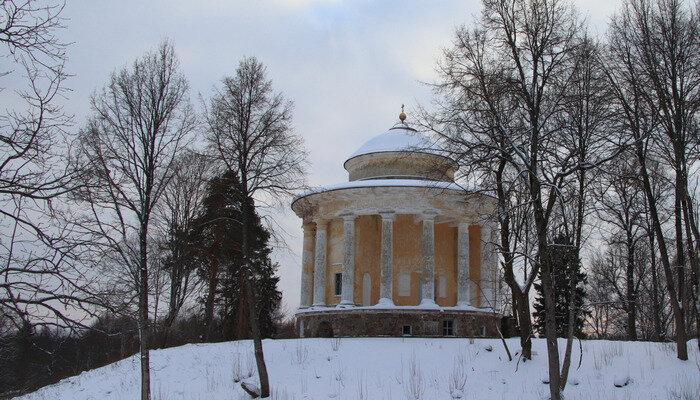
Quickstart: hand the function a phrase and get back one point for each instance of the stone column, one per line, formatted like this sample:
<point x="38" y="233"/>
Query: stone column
<point x="387" y="260"/>
<point x="307" y="265"/>
<point x="463" y="264"/>
<point x="486" y="283"/>
<point x="348" y="292"/>
<point x="320" y="263"/>
<point x="428" y="259"/>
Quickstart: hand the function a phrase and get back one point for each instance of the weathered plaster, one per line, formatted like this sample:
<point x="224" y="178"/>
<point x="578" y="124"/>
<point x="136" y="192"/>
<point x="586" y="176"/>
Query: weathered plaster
<point x="400" y="164"/>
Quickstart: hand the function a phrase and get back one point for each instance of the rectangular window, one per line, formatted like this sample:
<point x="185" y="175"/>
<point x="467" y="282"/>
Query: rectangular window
<point x="407" y="330"/>
<point x="482" y="331"/>
<point x="448" y="327"/>
<point x="338" y="283"/>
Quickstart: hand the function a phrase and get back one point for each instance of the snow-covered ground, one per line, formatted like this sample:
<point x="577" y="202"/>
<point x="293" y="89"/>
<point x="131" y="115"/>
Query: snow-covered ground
<point x="392" y="368"/>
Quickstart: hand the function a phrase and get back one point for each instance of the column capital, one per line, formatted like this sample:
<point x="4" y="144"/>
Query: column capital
<point x="387" y="215"/>
<point x="348" y="216"/>
<point x="308" y="226"/>
<point x="321" y="223"/>
<point x="463" y="224"/>
<point x="428" y="215"/>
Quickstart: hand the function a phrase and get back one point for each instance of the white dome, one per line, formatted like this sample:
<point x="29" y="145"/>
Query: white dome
<point x="398" y="138"/>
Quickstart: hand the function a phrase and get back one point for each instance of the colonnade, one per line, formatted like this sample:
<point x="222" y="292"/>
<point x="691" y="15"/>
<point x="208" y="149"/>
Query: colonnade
<point x="315" y="251"/>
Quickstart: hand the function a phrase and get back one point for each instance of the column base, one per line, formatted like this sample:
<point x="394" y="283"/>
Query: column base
<point x="345" y="304"/>
<point x="428" y="303"/>
<point x="463" y="304"/>
<point x="318" y="305"/>
<point x="384" y="302"/>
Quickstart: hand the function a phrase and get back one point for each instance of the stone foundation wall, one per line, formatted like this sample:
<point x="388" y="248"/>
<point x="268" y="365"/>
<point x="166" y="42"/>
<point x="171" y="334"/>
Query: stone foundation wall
<point x="423" y="323"/>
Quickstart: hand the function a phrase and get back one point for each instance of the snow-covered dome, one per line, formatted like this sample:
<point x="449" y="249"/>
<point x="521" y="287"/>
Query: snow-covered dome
<point x="398" y="138"/>
<point x="400" y="153"/>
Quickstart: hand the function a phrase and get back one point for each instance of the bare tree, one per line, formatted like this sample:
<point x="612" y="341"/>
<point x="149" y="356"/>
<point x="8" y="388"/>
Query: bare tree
<point x="43" y="282"/>
<point x="654" y="72"/>
<point x="505" y="86"/>
<point x="467" y="122"/>
<point x="250" y="134"/>
<point x="182" y="200"/>
<point x="621" y="207"/>
<point x="140" y="121"/>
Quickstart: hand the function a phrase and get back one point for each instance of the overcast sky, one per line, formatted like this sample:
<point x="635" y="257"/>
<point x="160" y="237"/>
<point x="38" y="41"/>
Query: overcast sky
<point x="347" y="65"/>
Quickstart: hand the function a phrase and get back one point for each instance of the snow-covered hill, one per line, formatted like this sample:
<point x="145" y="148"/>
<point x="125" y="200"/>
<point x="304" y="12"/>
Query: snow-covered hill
<point x="392" y="368"/>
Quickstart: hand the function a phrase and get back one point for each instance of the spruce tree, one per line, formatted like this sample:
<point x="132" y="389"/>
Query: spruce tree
<point x="217" y="237"/>
<point x="566" y="271"/>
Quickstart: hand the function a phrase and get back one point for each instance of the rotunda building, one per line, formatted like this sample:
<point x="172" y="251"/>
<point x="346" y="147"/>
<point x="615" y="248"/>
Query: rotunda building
<point x="399" y="249"/>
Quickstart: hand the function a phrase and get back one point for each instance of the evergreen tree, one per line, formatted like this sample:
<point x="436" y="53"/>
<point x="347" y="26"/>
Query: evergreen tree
<point x="217" y="236"/>
<point x="566" y="271"/>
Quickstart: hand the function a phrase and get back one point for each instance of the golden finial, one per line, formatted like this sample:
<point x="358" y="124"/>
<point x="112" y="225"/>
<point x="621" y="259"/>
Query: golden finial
<point x="402" y="116"/>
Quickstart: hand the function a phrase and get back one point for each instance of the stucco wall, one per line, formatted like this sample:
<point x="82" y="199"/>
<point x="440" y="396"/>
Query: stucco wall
<point x="407" y="257"/>
<point x="367" y="251"/>
<point x="398" y="164"/>
<point x="446" y="263"/>
<point x="334" y="256"/>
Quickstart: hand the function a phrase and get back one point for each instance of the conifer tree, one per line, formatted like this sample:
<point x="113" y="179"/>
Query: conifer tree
<point x="567" y="274"/>
<point x="217" y="236"/>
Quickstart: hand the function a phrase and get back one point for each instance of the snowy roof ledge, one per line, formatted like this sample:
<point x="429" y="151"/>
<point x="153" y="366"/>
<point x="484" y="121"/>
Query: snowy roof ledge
<point x="388" y="183"/>
<point x="382" y="307"/>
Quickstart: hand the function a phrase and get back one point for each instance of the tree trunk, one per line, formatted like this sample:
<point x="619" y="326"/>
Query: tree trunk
<point x="692" y="258"/>
<point x="521" y="303"/>
<point x="678" y="314"/>
<point x="680" y="254"/>
<point x="525" y="325"/>
<point x="143" y="313"/>
<point x="522" y="308"/>
<point x="257" y="342"/>
<point x="243" y="326"/>
<point x="656" y="308"/>
<point x="550" y="326"/>
<point x="570" y="334"/>
<point x="211" y="296"/>
<point x="572" y="283"/>
<point x="630" y="303"/>
<point x="247" y="275"/>
<point x="173" y="306"/>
